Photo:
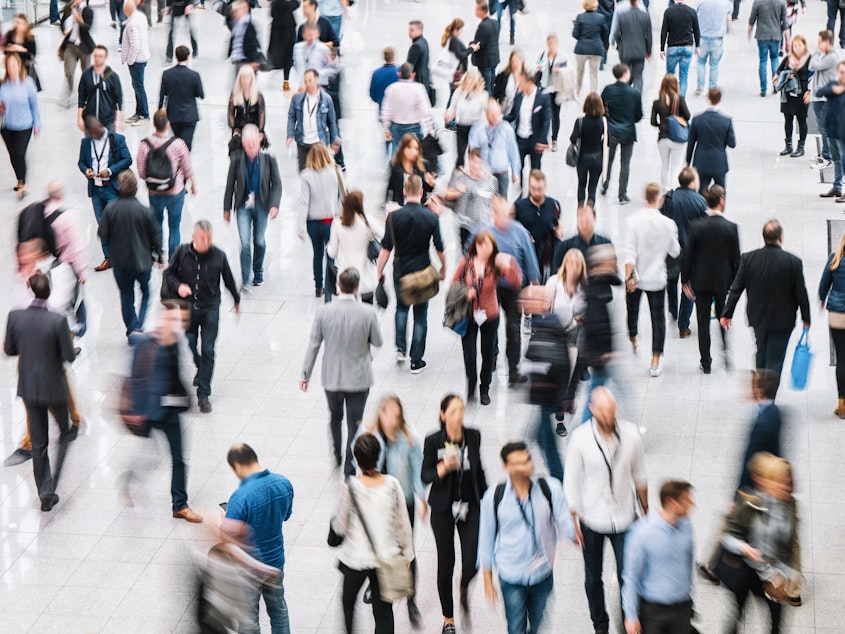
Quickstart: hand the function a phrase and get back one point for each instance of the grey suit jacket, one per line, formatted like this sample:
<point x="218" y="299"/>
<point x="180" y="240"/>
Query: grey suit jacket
<point x="348" y="329"/>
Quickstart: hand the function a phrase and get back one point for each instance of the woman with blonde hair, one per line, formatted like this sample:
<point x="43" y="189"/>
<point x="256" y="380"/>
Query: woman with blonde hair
<point x="246" y="105"/>
<point x="591" y="32"/>
<point x="451" y="40"/>
<point x="506" y="84"/>
<point x="669" y="103"/>
<point x="832" y="297"/>
<point x="20" y="116"/>
<point x="349" y="240"/>
<point x="407" y="161"/>
<point x="320" y="199"/>
<point x="468" y="107"/>
<point x="795" y="95"/>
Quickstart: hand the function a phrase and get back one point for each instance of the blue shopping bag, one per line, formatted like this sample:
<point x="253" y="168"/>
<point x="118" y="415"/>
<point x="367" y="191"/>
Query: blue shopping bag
<point x="801" y="361"/>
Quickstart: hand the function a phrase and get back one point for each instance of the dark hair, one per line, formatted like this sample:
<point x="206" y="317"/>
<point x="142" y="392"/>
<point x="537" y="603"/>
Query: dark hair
<point x="826" y="35"/>
<point x="593" y="105"/>
<point x="176" y="304"/>
<point x="714" y="95"/>
<point x="313" y="71"/>
<point x="160" y="120"/>
<point x="102" y="47"/>
<point x="619" y="70"/>
<point x="182" y="53"/>
<point x="766" y="381"/>
<point x="92" y="122"/>
<point x="713" y="195"/>
<point x="241" y="454"/>
<point x="353" y="205"/>
<point x="475" y="152"/>
<point x="510" y="448"/>
<point x="406" y="70"/>
<point x="127" y="184"/>
<point x="389" y="55"/>
<point x="772" y="232"/>
<point x="472" y="249"/>
<point x="444" y="405"/>
<point x="348" y="280"/>
<point x="687" y="176"/>
<point x="40" y="285"/>
<point x="366" y="452"/>
<point x="673" y="490"/>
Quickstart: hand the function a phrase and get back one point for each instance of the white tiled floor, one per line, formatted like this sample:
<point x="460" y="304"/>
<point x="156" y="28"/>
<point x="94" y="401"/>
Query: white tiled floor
<point x="96" y="564"/>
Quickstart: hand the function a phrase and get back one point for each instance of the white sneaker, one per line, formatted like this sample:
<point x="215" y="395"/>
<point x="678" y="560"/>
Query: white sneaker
<point x="654" y="371"/>
<point x="401" y="357"/>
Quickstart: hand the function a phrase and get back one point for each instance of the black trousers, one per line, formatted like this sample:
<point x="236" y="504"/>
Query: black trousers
<point x="711" y="178"/>
<point x="659" y="618"/>
<point x="626" y="152"/>
<point x="352" y="582"/>
<point x="46" y="481"/>
<point x="555" y="117"/>
<point x="355" y="404"/>
<point x="526" y="148"/>
<point x="463" y="141"/>
<point x="802" y="128"/>
<point x="703" y="301"/>
<point x="771" y="349"/>
<point x="756" y="588"/>
<point x="16" y="143"/>
<point x="637" y="66"/>
<point x="513" y="339"/>
<point x="489" y="336"/>
<point x="657" y="308"/>
<point x="443" y="526"/>
<point x="184" y="131"/>
<point x="838" y="337"/>
<point x="589" y="172"/>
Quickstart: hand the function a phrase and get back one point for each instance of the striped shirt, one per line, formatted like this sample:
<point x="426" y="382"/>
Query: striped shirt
<point x="180" y="160"/>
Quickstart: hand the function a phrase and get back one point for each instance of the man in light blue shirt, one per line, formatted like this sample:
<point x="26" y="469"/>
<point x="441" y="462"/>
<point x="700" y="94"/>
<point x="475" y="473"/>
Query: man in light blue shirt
<point x="712" y="24"/>
<point x="522" y="519"/>
<point x="497" y="142"/>
<point x="657" y="582"/>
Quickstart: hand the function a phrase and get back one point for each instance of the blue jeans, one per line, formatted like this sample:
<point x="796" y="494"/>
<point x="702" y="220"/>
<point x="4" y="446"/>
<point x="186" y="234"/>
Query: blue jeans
<point x="420" y="327"/>
<point x="398" y="130"/>
<point x="173" y="203"/>
<point x="126" y="284"/>
<point x="593" y="552"/>
<point x="100" y="197"/>
<point x="820" y="110"/>
<point x="489" y="75"/>
<point x="277" y="607"/>
<point x="511" y="5"/>
<point x="547" y="439"/>
<point x="525" y="605"/>
<point x="54" y="11"/>
<point x="136" y="72"/>
<point x="336" y="21"/>
<point x="767" y="49"/>
<point x="252" y="224"/>
<point x="319" y="232"/>
<point x="679" y="57"/>
<point x="710" y="50"/>
<point x="209" y="322"/>
<point x="837" y="149"/>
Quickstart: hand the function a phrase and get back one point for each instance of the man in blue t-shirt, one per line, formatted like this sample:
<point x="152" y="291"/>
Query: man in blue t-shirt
<point x="262" y="501"/>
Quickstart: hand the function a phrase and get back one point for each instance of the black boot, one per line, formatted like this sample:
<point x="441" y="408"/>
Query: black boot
<point x="799" y="151"/>
<point x="787" y="148"/>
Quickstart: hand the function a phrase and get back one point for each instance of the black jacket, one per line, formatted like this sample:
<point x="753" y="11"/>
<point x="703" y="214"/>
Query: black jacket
<point x="765" y="436"/>
<point x="680" y="27"/>
<point x="251" y="47"/>
<point x="327" y="32"/>
<point x="409" y="232"/>
<point x="418" y="57"/>
<point x="711" y="255"/>
<point x="487" y="37"/>
<point x="576" y="242"/>
<point x="598" y="326"/>
<point x="774" y="280"/>
<point x="180" y="89"/>
<point x="86" y="42"/>
<point x="132" y="233"/>
<point x="624" y="106"/>
<point x="42" y="341"/>
<point x="541" y="116"/>
<point x="441" y="495"/>
<point x="269" y="182"/>
<point x="102" y="99"/>
<point x="202" y="272"/>
<point x="633" y="35"/>
<point x="396" y="184"/>
<point x="710" y="132"/>
<point x="541" y="223"/>
<point x="591" y="32"/>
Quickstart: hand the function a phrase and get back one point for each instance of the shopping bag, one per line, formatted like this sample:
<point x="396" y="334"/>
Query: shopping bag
<point x="801" y="361"/>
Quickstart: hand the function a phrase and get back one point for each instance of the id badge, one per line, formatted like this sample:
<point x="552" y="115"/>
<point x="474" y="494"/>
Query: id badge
<point x="250" y="200"/>
<point x="98" y="182"/>
<point x="480" y="316"/>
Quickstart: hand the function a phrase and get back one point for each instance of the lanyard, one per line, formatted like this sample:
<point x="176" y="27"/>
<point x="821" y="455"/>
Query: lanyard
<point x="311" y="109"/>
<point x="99" y="157"/>
<point x="608" y="463"/>
<point x="477" y="284"/>
<point x="528" y="523"/>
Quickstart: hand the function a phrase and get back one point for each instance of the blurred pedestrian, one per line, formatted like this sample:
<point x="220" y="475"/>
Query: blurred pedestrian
<point x="584" y="238"/>
<point x="282" y="37"/>
<point x="496" y="140"/>
<point x="632" y="36"/>
<point x="246" y="105"/>
<point x="180" y="9"/>
<point x="418" y="57"/>
<point x="832" y="297"/>
<point x="77" y="44"/>
<point x="21" y="40"/>
<point x="406" y="162"/>
<point x="531" y="117"/>
<point x="244" y="47"/>
<point x="467" y="107"/>
<point x="471" y="188"/>
<point x="350" y="240"/>
<point x="507" y="82"/>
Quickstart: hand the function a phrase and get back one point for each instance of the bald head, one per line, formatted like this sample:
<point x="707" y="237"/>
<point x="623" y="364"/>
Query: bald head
<point x="603" y="408"/>
<point x="501" y="211"/>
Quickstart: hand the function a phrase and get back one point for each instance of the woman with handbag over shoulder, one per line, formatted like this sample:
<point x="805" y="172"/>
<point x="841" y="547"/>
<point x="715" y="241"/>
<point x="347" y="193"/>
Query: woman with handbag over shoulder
<point x="589" y="135"/>
<point x="832" y="297"/>
<point x="669" y="104"/>
<point x="794" y="95"/>
<point x="468" y="106"/>
<point x="451" y="42"/>
<point x="349" y="244"/>
<point x="452" y="465"/>
<point x="375" y="535"/>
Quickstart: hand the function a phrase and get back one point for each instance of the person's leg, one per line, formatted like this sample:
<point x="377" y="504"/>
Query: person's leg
<point x="54" y="11"/>
<point x="663" y="148"/>
<point x="701" y="70"/>
<point x="174" y="203"/>
<point x="126" y="286"/>
<point x="617" y="542"/>
<point x="802" y="130"/>
<point x="555" y="118"/>
<point x="625" y="167"/>
<point x="244" y="218"/>
<point x="657" y="308"/>
<point x="503" y="182"/>
<point x="776" y="346"/>
<point x="69" y="58"/>
<point x="419" y="333"/>
<point x="763" y="55"/>
<point x="538" y="597"/>
<point x="637" y="68"/>
<point x="838" y="337"/>
<point x="489" y="339"/>
<point x="582" y="170"/>
<point x="260" y="218"/>
<point x="546" y="439"/>
<point x="38" y="431"/>
<point x="17" y="145"/>
<point x="683" y="71"/>
<point x="443" y="528"/>
<point x="194" y="46"/>
<point x="612" y="144"/>
<point x="595" y="60"/>
<point x="172" y="428"/>
<point x="169" y="53"/>
<point x="210" y="325"/>
<point x="684" y="312"/>
<point x="841" y="27"/>
<point x="192" y="335"/>
<point x="774" y="48"/>
<point x="717" y="49"/>
<point x="760" y="338"/>
<point x="318" y="248"/>
<point x="632" y="301"/>
<point x="580" y="61"/>
<point x="677" y="158"/>
<point x="672" y="60"/>
<point x="73" y="410"/>
<point x="468" y="535"/>
<point x="352" y="582"/>
<point x="593" y="549"/>
<point x="382" y="611"/>
<point x="400" y="321"/>
<point x="515" y="600"/>
<point x="98" y="201"/>
<point x="672" y="292"/>
<point x="463" y="141"/>
<point x="335" y="402"/>
<point x="513" y="342"/>
<point x="594" y="176"/>
<point x="703" y="301"/>
<point x="158" y="203"/>
<point x="136" y="72"/>
<point x="469" y="347"/>
<point x="787" y="132"/>
<point x="184" y="131"/>
<point x="832" y="10"/>
<point x="277" y="607"/>
<point x="143" y="279"/>
<point x="356" y="402"/>
<point x="820" y="110"/>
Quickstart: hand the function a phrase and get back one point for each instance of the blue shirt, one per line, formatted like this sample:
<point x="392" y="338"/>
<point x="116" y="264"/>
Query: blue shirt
<point x="253" y="176"/>
<point x="381" y="79"/>
<point x="21" y="99"/>
<point x="263" y="501"/>
<point x="498" y="146"/>
<point x="712" y="15"/>
<point x="658" y="563"/>
<point x="515" y="241"/>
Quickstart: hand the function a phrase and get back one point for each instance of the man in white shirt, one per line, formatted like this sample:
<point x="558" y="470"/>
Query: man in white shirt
<point x="650" y="237"/>
<point x="406" y="108"/>
<point x="531" y="116"/>
<point x="312" y="53"/>
<point x="604" y="467"/>
<point x="136" y="53"/>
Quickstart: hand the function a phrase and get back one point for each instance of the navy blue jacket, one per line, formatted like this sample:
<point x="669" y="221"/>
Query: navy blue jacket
<point x="381" y="79"/>
<point x="155" y="373"/>
<point x="119" y="159"/>
<point x="765" y="436"/>
<point x="687" y="205"/>
<point x="541" y="118"/>
<point x="591" y="30"/>
<point x="624" y="105"/>
<point x="835" y="121"/>
<point x="832" y="287"/>
<point x="710" y="132"/>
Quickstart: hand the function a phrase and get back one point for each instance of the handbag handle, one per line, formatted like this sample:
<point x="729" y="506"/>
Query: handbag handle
<point x="805" y="337"/>
<point x="340" y="182"/>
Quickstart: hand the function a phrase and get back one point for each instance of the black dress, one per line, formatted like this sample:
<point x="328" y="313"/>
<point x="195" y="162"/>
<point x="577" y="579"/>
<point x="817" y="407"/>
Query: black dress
<point x="282" y="35"/>
<point x="241" y="115"/>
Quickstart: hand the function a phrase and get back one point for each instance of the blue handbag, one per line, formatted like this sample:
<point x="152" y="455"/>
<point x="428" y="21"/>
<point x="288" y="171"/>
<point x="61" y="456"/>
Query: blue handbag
<point x="801" y="360"/>
<point x="678" y="126"/>
<point x="460" y="327"/>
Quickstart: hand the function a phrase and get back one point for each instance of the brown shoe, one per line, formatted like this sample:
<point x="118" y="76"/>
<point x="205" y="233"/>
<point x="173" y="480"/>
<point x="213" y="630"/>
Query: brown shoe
<point x="188" y="515"/>
<point x="286" y="86"/>
<point x="105" y="265"/>
<point x="683" y="334"/>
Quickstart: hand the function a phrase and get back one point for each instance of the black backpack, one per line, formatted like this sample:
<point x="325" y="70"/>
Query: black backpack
<point x="32" y="225"/>
<point x="160" y="176"/>
<point x="499" y="493"/>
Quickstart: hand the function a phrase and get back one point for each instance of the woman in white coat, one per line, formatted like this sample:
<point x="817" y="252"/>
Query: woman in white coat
<point x="348" y="243"/>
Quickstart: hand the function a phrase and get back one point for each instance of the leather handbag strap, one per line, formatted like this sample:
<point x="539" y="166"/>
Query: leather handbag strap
<point x="340" y="182"/>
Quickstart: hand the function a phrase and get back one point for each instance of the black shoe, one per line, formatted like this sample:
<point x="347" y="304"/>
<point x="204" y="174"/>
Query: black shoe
<point x="196" y="379"/>
<point x="318" y="292"/>
<point x="604" y="187"/>
<point x="560" y="430"/>
<point x="799" y="151"/>
<point x="49" y="502"/>
<point x="73" y="433"/>
<point x="204" y="404"/>
<point x="414" y="614"/>
<point x="704" y="368"/>
<point x="787" y="150"/>
<point x="464" y="601"/>
<point x="705" y="573"/>
<point x="448" y="628"/>
<point x="484" y="399"/>
<point x="416" y="368"/>
<point x="831" y="193"/>
<point x="624" y="200"/>
<point x="18" y="456"/>
<point x="368" y="595"/>
<point x="517" y="379"/>
<point x="471" y="396"/>
<point x="512" y="40"/>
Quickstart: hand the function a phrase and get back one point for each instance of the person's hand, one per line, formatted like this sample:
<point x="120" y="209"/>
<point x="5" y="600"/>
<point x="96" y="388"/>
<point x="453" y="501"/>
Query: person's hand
<point x="442" y="272"/>
<point x="476" y="47"/>
<point x="806" y="325"/>
<point x="630" y="286"/>
<point x="688" y="290"/>
<point x="803" y="10"/>
<point x="503" y="261"/>
<point x="754" y="554"/>
<point x="194" y="190"/>
<point x="648" y="58"/>
<point x="515" y="179"/>
<point x="695" y="52"/>
<point x="118" y="123"/>
<point x="541" y="147"/>
<point x="632" y="626"/>
<point x="807" y="97"/>
<point x="238" y="310"/>
<point x="725" y="322"/>
<point x="184" y="290"/>
<point x="662" y="55"/>
<point x="303" y="385"/>
<point x="579" y="535"/>
<point x="336" y="147"/>
<point x="489" y="591"/>
<point x="36" y="131"/>
<point x="429" y="178"/>
<point x="558" y="232"/>
<point x="159" y="265"/>
<point x="274" y="211"/>
<point x="80" y="124"/>
<point x="188" y="9"/>
<point x="450" y="462"/>
<point x="227" y="216"/>
<point x="89" y="173"/>
<point x="470" y="294"/>
<point x="423" y="510"/>
<point x="82" y="279"/>
<point x="104" y="174"/>
<point x="388" y="136"/>
<point x="288" y="142"/>
<point x="300" y="235"/>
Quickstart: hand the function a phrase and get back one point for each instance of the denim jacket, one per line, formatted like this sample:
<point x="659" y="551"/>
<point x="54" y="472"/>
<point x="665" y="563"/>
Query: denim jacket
<point x="401" y="459"/>
<point x="832" y="287"/>
<point x="326" y="119"/>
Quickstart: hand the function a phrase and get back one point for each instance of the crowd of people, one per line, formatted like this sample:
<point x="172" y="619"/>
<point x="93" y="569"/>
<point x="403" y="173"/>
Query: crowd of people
<point x="553" y="293"/>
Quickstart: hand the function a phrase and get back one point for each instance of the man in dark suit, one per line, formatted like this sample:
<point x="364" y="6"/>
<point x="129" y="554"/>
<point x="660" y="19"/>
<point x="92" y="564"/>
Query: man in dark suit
<point x="42" y="341"/>
<point x="624" y="107"/>
<point x="710" y="133"/>
<point x="179" y="9"/>
<point x="765" y="430"/>
<point x="774" y="280"/>
<point x="585" y="238"/>
<point x="531" y="117"/>
<point x="710" y="262"/>
<point x="418" y="57"/>
<point x="180" y="89"/>
<point x="102" y="157"/>
<point x="485" y="44"/>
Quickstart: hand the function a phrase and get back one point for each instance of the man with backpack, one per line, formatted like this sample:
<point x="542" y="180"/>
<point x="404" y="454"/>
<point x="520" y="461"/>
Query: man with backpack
<point x="100" y="93"/>
<point x="522" y="519"/>
<point x="164" y="163"/>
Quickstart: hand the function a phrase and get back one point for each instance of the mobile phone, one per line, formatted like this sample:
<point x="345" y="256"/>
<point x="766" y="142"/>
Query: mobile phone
<point x="224" y="505"/>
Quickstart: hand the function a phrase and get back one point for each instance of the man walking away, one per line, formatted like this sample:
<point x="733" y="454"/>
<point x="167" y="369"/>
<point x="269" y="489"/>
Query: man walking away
<point x="770" y="18"/>
<point x="679" y="40"/>
<point x="713" y="24"/>
<point x="136" y="53"/>
<point x="180" y="88"/>
<point x="624" y="107"/>
<point x="710" y="134"/>
<point x="632" y="35"/>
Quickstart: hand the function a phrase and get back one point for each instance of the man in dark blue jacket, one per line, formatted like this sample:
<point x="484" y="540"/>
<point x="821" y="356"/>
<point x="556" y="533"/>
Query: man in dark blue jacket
<point x="710" y="133"/>
<point x="765" y="430"/>
<point x="102" y="157"/>
<point x="624" y="109"/>
<point x="384" y="76"/>
<point x="834" y="123"/>
<point x="531" y="117"/>
<point x="180" y="88"/>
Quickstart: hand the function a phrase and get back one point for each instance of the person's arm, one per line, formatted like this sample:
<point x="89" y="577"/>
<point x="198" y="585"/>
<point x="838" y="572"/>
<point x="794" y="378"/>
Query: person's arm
<point x="375" y="331"/>
<point x="141" y="159"/>
<point x="275" y="186"/>
<point x="334" y="133"/>
<point x="654" y="120"/>
<point x="826" y="281"/>
<point x="291" y="131"/>
<point x="416" y="460"/>
<point x="460" y="270"/>
<point x="163" y="91"/>
<point x="10" y="342"/>
<point x="229" y="282"/>
<point x="117" y="88"/>
<point x="487" y="543"/>
<point x="315" y="340"/>
<point x="736" y="290"/>
<point x="414" y="55"/>
<point x="638" y="109"/>
<point x="632" y="577"/>
<point x="304" y="203"/>
<point x="664" y="33"/>
<point x="513" y="275"/>
<point x="32" y="97"/>
<point x="696" y="33"/>
<point x="531" y="268"/>
<point x="402" y="524"/>
<point x="513" y="154"/>
<point x="261" y="112"/>
<point x="648" y="37"/>
<point x="730" y="140"/>
<point x="674" y="246"/>
<point x="229" y="192"/>
<point x="70" y="243"/>
<point x="199" y="92"/>
<point x="638" y="474"/>
<point x="430" y="472"/>
<point x="576" y="28"/>
<point x="576" y="131"/>
<point x="124" y="158"/>
<point x="104" y="226"/>
<point x="801" y="294"/>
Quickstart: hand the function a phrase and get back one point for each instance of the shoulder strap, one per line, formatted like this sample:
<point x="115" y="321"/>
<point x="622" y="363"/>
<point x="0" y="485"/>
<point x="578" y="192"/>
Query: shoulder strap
<point x="357" y="508"/>
<point x="547" y="493"/>
<point x="340" y="184"/>
<point x="498" y="494"/>
<point x="396" y="262"/>
<point x="167" y="143"/>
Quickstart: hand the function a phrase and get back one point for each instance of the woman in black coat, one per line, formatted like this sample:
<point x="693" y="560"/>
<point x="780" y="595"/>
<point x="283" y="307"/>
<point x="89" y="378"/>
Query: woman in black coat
<point x="590" y="129"/>
<point x="282" y="36"/>
<point x="794" y="102"/>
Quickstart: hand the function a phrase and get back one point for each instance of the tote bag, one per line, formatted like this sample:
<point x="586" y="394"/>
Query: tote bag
<point x="678" y="126"/>
<point x="801" y="360"/>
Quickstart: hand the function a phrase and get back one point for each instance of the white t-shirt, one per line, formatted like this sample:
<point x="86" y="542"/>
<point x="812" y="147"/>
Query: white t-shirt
<point x="526" y="110"/>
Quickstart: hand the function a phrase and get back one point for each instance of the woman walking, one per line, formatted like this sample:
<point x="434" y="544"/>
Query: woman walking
<point x="451" y="40"/>
<point x="21" y="40"/>
<point x="669" y="103"/>
<point x="452" y="465"/>
<point x="793" y="78"/>
<point x="549" y="65"/>
<point x="468" y="107"/>
<point x="246" y="105"/>
<point x="407" y="161"/>
<point x="282" y="37"/>
<point x="20" y="115"/>
<point x="832" y="296"/>
<point x="471" y="189"/>
<point x="349" y="240"/>
<point x="506" y="84"/>
<point x="374" y="526"/>
<point x="590" y="31"/>
<point x="319" y="203"/>
<point x="591" y="131"/>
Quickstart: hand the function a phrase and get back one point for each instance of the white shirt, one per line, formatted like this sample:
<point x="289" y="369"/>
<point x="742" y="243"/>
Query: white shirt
<point x="650" y="237"/>
<point x="562" y="305"/>
<point x="309" y="119"/>
<point x="600" y="477"/>
<point x="136" y="45"/>
<point x="73" y="25"/>
<point x="99" y="148"/>
<point x="526" y="110"/>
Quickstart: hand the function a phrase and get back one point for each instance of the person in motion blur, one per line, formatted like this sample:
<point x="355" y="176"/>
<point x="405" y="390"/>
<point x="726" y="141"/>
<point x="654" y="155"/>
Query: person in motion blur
<point x="832" y="297"/>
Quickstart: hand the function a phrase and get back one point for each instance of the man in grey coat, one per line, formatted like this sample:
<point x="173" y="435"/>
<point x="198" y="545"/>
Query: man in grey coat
<point x="348" y="328"/>
<point x="770" y="18"/>
<point x="632" y="35"/>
